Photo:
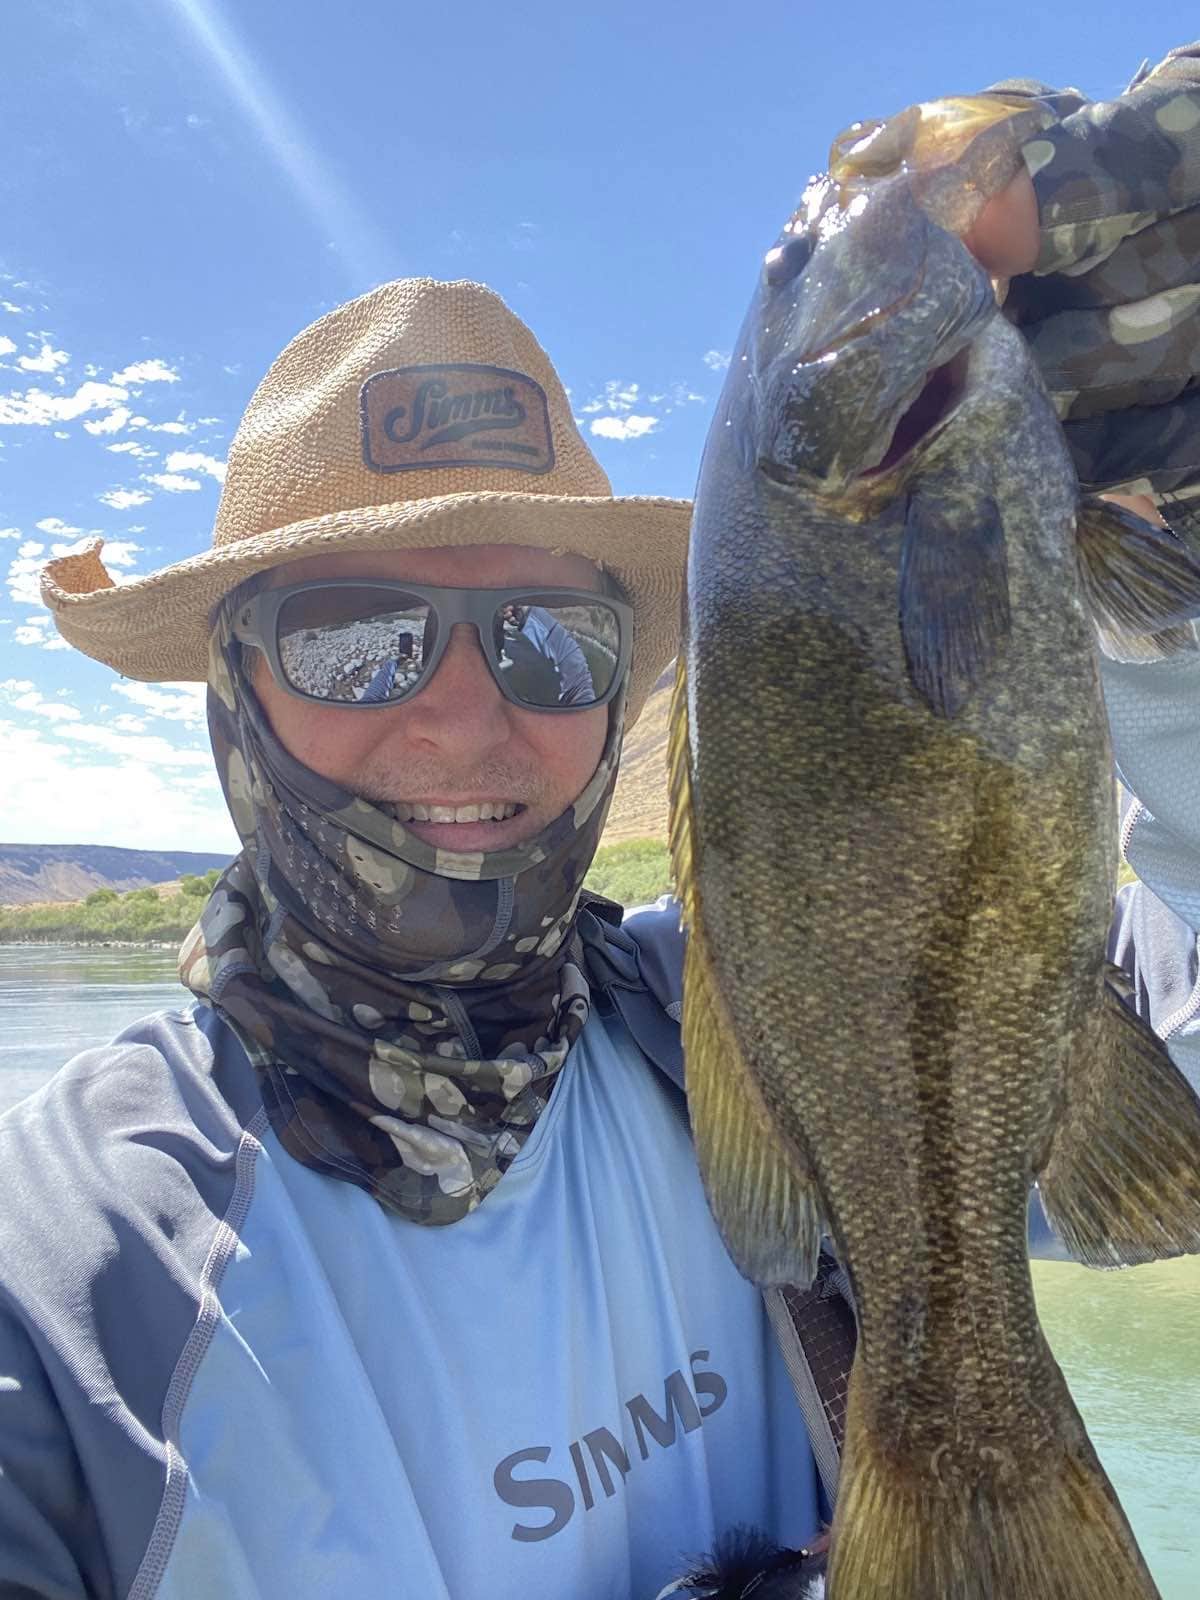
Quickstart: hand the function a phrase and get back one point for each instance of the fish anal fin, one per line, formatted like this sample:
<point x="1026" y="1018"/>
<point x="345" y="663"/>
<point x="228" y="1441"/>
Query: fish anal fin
<point x="980" y="1527"/>
<point x="954" y="610"/>
<point x="1141" y="582"/>
<point x="1122" y="1181"/>
<point x="760" y="1191"/>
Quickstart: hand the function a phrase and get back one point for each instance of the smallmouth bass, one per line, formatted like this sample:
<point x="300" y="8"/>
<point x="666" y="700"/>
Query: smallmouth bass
<point x="893" y="826"/>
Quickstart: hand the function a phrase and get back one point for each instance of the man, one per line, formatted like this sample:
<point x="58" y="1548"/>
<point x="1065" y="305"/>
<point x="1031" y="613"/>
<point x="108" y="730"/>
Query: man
<point x="395" y="1270"/>
<point x="386" y="1268"/>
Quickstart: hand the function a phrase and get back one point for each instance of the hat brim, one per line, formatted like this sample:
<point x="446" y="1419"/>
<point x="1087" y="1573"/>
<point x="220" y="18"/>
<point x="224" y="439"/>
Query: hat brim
<point x="156" y="627"/>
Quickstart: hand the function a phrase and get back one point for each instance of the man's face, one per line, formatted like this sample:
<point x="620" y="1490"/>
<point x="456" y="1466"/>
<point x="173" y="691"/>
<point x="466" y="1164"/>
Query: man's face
<point x="458" y="742"/>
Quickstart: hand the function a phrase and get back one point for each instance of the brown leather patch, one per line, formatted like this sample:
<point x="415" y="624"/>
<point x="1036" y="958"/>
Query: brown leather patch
<point x="459" y="415"/>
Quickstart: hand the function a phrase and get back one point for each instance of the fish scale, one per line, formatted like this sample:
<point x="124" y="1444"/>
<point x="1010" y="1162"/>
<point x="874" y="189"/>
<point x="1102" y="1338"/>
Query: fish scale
<point x="893" y="826"/>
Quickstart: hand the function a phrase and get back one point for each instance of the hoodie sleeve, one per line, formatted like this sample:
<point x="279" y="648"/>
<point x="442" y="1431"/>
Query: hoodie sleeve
<point x="48" y="1533"/>
<point x="1111" y="311"/>
<point x="1154" y="714"/>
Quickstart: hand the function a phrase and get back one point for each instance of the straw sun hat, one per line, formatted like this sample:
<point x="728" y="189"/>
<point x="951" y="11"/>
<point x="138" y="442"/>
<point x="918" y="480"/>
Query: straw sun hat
<point x="422" y="413"/>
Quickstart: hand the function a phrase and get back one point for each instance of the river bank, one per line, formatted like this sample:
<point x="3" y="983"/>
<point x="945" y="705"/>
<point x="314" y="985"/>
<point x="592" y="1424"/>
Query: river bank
<point x="633" y="872"/>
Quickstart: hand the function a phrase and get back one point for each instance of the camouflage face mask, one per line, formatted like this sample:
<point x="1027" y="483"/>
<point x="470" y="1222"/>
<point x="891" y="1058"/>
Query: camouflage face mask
<point x="406" y="1008"/>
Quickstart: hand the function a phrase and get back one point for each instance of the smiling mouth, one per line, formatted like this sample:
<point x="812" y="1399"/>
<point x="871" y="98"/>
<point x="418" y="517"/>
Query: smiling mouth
<point x="936" y="403"/>
<point x="482" y="811"/>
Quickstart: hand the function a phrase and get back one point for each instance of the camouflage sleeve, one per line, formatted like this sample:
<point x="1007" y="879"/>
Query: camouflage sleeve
<point x="1112" y="308"/>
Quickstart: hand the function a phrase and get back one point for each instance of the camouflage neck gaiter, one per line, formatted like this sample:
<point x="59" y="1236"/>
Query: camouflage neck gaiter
<point x="406" y="1008"/>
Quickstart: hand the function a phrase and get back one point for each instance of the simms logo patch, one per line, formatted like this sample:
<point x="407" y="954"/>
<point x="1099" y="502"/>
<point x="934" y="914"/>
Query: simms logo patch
<point x="454" y="416"/>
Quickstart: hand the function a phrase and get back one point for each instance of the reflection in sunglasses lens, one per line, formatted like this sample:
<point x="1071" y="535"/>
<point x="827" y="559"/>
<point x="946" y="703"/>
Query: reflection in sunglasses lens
<point x="554" y="654"/>
<point x="354" y="646"/>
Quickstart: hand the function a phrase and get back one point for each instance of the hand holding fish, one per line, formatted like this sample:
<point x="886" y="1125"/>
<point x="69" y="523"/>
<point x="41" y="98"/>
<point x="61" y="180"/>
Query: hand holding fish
<point x="1111" y="307"/>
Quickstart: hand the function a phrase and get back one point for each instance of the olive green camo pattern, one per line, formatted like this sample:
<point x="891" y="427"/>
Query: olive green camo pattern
<point x="406" y="1008"/>
<point x="1112" y="308"/>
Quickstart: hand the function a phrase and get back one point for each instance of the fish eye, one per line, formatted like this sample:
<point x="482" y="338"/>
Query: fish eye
<point x="787" y="260"/>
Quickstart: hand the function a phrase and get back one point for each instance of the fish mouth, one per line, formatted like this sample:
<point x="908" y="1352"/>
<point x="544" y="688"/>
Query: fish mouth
<point x="937" y="400"/>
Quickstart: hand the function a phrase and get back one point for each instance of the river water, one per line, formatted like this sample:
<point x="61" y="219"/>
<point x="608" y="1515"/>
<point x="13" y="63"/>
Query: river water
<point x="1129" y="1342"/>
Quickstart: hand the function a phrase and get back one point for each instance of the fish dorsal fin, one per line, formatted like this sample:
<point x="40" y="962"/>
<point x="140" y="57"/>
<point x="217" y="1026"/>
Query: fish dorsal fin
<point x="1122" y="1182"/>
<point x="761" y="1191"/>
<point x="1141" y="582"/>
<point x="954" y="611"/>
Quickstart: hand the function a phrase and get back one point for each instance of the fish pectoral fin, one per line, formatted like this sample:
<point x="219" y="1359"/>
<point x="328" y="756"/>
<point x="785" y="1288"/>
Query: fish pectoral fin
<point x="1141" y="582"/>
<point x="954" y="610"/>
<point x="760" y="1190"/>
<point x="1122" y="1182"/>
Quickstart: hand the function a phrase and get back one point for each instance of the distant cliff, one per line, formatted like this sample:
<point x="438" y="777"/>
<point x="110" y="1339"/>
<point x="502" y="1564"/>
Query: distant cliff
<point x="30" y="873"/>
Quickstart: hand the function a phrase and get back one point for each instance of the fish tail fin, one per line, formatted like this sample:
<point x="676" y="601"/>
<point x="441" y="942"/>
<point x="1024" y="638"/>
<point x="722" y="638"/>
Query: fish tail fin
<point x="1040" y="1530"/>
<point x="1122" y="1181"/>
<point x="761" y="1191"/>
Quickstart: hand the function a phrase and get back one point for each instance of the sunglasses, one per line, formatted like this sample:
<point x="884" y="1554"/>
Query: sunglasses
<point x="377" y="642"/>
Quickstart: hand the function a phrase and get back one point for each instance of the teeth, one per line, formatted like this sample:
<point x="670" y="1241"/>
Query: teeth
<point x="485" y="811"/>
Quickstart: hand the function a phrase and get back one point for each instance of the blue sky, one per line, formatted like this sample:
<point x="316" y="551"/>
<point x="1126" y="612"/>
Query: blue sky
<point x="187" y="183"/>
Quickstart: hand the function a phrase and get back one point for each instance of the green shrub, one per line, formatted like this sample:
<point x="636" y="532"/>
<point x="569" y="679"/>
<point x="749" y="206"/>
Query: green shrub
<point x="101" y="897"/>
<point x="633" y="873"/>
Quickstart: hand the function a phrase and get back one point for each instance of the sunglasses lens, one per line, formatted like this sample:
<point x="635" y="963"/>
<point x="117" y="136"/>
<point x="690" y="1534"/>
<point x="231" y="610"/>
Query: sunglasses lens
<point x="355" y="645"/>
<point x="557" y="654"/>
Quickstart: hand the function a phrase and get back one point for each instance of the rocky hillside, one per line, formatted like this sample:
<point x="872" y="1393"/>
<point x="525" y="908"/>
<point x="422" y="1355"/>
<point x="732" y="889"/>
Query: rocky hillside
<point x="33" y="873"/>
<point x="639" y="808"/>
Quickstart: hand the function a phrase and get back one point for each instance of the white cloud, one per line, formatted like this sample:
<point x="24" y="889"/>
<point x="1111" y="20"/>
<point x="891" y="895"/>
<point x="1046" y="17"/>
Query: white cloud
<point x="23" y="572"/>
<point x="24" y="569"/>
<point x="10" y="533"/>
<point x="716" y="360"/>
<point x="150" y="747"/>
<point x="37" y="408"/>
<point x="122" y="499"/>
<point x="127" y="723"/>
<point x="36" y="631"/>
<point x="6" y="346"/>
<point x="21" y="695"/>
<point x="112" y="423"/>
<point x="677" y="394"/>
<point x="623" y="428"/>
<point x="193" y="461"/>
<point x="56" y="525"/>
<point x="153" y="371"/>
<point x="178" y="426"/>
<point x="617" y="397"/>
<point x="134" y="797"/>
<point x="46" y="360"/>
<point x="17" y="311"/>
<point x="172" y="482"/>
<point x="120" y="553"/>
<point x="130" y="447"/>
<point x="173" y="702"/>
